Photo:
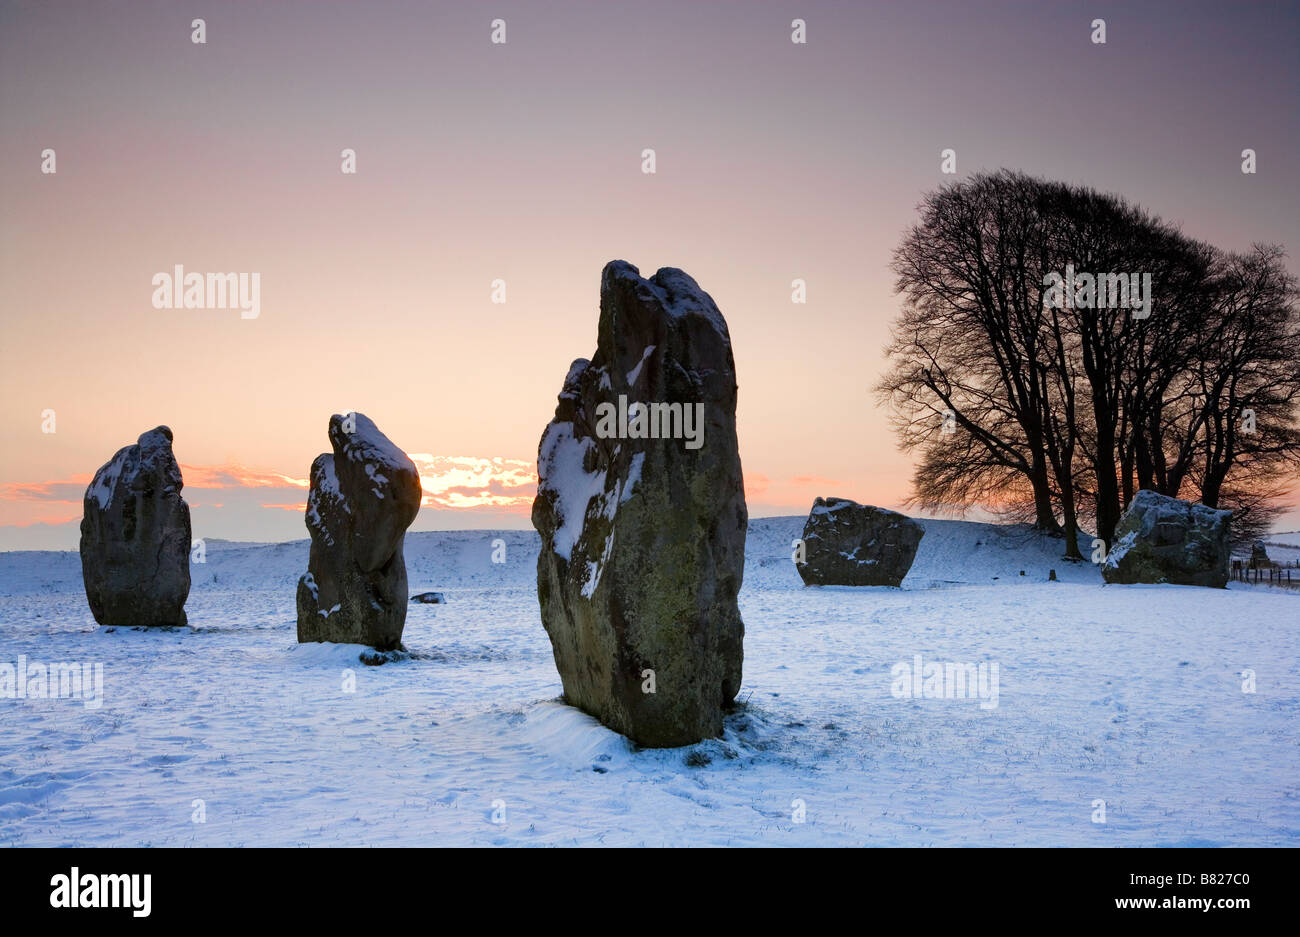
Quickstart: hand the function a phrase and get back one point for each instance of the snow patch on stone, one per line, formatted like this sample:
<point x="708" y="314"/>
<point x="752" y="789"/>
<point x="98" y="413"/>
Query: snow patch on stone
<point x="636" y="372"/>
<point x="105" y="481"/>
<point x="561" y="458"/>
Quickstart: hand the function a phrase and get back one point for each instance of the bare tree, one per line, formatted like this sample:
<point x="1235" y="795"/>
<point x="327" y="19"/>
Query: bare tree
<point x="967" y="346"/>
<point x="1066" y="409"/>
<point x="1245" y="386"/>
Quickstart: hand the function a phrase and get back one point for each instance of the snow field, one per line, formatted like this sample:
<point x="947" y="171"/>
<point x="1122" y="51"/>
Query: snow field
<point x="1132" y="695"/>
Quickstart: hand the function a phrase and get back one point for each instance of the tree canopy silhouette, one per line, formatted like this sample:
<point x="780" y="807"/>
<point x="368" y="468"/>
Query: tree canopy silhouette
<point x="1059" y="348"/>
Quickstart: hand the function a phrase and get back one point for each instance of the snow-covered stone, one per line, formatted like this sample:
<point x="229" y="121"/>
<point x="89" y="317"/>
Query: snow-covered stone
<point x="643" y="536"/>
<point x="362" y="499"/>
<point x="135" y="536"/>
<point x="1164" y="539"/>
<point x="851" y="544"/>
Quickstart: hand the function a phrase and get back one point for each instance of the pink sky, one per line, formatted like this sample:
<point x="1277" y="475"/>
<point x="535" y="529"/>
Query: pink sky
<point x="523" y="162"/>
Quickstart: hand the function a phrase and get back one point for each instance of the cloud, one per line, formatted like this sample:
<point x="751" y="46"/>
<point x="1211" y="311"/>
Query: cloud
<point x="256" y="501"/>
<point x="68" y="491"/>
<point x="470" y="482"/>
<point x="72" y="490"/>
<point x="28" y="504"/>
<point x="457" y="483"/>
<point x="49" y="519"/>
<point x="814" y="480"/>
<point x="236" y="476"/>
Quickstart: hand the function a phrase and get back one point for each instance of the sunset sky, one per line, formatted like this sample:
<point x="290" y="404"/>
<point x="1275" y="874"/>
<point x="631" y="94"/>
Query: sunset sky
<point x="522" y="161"/>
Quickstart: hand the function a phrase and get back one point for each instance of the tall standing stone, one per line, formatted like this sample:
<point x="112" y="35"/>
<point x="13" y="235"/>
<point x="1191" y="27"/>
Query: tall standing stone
<point x="362" y="499"/>
<point x="135" y="536"/>
<point x="641" y="509"/>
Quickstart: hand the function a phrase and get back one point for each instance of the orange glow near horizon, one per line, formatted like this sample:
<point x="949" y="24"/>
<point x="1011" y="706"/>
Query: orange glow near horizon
<point x="449" y="483"/>
<point x="236" y="476"/>
<point x="459" y="482"/>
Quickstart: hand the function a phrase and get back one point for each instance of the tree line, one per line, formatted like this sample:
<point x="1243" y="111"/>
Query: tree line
<point x="1054" y="398"/>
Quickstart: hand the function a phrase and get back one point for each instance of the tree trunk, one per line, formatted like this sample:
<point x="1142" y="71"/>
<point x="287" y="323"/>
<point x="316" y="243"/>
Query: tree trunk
<point x="1044" y="516"/>
<point x="1126" y="475"/>
<point x="1211" y="488"/>
<point x="1146" y="470"/>
<point x="1071" y="522"/>
<point x="1108" y="509"/>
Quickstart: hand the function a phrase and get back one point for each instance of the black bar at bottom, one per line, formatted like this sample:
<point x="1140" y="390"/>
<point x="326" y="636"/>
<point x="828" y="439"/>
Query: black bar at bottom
<point x="942" y="887"/>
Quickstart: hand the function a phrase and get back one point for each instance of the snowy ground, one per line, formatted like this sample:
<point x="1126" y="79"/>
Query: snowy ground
<point x="1131" y="695"/>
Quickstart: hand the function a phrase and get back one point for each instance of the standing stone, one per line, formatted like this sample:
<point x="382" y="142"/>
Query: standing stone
<point x="135" y="536"/>
<point x="1259" y="556"/>
<point x="642" y="515"/>
<point x="362" y="499"/>
<point x="1163" y="539"/>
<point x="851" y="544"/>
